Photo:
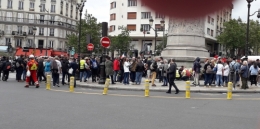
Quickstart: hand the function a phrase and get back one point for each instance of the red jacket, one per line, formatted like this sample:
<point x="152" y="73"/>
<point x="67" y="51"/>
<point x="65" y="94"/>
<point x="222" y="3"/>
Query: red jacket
<point x="116" y="65"/>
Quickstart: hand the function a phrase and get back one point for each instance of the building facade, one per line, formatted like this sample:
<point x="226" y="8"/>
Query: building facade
<point x="53" y="19"/>
<point x="134" y="15"/>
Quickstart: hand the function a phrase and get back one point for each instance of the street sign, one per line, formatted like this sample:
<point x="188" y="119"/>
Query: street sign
<point x="105" y="42"/>
<point x="90" y="47"/>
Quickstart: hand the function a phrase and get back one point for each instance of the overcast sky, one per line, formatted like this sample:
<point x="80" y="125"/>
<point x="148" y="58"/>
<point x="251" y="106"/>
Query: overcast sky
<point x="100" y="9"/>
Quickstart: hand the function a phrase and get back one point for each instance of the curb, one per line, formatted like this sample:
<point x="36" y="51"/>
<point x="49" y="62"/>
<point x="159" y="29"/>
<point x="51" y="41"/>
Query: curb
<point x="164" y="90"/>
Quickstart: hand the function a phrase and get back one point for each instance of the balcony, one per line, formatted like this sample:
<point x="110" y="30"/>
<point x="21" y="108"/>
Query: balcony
<point x="19" y="33"/>
<point x="53" y="0"/>
<point x="31" y="9"/>
<point x="9" y="7"/>
<point x="51" y="34"/>
<point x="20" y="8"/>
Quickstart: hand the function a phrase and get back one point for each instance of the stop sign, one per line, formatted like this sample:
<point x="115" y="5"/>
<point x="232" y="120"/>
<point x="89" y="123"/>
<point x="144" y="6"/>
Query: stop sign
<point x="90" y="47"/>
<point x="105" y="42"/>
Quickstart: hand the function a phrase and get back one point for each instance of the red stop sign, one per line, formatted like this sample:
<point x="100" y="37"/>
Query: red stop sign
<point x="90" y="47"/>
<point x="105" y="42"/>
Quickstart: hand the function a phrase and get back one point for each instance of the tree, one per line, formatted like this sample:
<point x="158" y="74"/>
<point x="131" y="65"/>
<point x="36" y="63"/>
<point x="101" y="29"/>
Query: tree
<point x="90" y="26"/>
<point x="233" y="36"/>
<point x="162" y="45"/>
<point x="121" y="41"/>
<point x="254" y="36"/>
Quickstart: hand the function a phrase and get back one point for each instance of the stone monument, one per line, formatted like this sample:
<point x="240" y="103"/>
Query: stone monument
<point x="186" y="41"/>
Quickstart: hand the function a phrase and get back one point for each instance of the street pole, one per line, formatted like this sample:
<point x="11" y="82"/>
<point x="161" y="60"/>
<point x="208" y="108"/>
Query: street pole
<point x="247" y="30"/>
<point x="34" y="44"/>
<point x="102" y="79"/>
<point x="79" y="35"/>
<point x="46" y="52"/>
<point x="155" y="42"/>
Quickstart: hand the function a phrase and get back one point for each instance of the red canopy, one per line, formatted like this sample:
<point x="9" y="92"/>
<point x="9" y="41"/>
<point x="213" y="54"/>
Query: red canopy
<point x="38" y="52"/>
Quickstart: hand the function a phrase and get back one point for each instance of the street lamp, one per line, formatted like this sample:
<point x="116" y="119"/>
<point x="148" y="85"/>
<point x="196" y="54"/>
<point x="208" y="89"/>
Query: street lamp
<point x="47" y="11"/>
<point x="151" y="24"/>
<point x="163" y="27"/>
<point x="80" y="7"/>
<point x="34" y="33"/>
<point x="247" y="30"/>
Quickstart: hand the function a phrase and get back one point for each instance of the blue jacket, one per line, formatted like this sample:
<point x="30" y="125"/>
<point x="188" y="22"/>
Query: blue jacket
<point x="245" y="71"/>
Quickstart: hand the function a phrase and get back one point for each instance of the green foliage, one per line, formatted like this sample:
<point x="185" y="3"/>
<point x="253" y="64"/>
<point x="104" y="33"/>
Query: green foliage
<point x="121" y="41"/>
<point x="88" y="26"/>
<point x="162" y="45"/>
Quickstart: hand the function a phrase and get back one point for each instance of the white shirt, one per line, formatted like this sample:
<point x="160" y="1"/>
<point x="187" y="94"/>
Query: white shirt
<point x="59" y="65"/>
<point x="226" y="70"/>
<point x="220" y="67"/>
<point x="126" y="67"/>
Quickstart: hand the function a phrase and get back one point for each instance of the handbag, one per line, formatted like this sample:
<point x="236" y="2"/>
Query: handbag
<point x="70" y="71"/>
<point x="28" y="73"/>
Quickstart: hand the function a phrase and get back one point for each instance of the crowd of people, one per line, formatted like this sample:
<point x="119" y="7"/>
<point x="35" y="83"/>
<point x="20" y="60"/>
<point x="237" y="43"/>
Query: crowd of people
<point x="215" y="71"/>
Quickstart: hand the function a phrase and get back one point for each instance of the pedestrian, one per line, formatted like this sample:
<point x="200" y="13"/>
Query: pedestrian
<point x="253" y="70"/>
<point x="219" y="68"/>
<point x="94" y="69"/>
<point x="244" y="75"/>
<point x="133" y="70"/>
<point x="126" y="71"/>
<point x="73" y="65"/>
<point x="226" y="74"/>
<point x="82" y="70"/>
<point x="2" y="61"/>
<point x="139" y="72"/>
<point x="171" y="76"/>
<point x="32" y="67"/>
<point x="19" y="68"/>
<point x="164" y="72"/>
<point x="40" y="70"/>
<point x="153" y="68"/>
<point x="196" y="69"/>
<point x="109" y="69"/>
<point x="65" y="68"/>
<point x="47" y="67"/>
<point x="6" y="68"/>
<point x="56" y="70"/>
<point x="116" y="68"/>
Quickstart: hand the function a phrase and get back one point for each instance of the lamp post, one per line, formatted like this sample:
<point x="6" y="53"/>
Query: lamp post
<point x="151" y="24"/>
<point x="163" y="27"/>
<point x="34" y="33"/>
<point x="47" y="11"/>
<point x="80" y="7"/>
<point x="247" y="30"/>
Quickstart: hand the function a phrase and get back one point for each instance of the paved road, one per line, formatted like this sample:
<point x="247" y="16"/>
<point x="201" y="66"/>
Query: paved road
<point x="32" y="108"/>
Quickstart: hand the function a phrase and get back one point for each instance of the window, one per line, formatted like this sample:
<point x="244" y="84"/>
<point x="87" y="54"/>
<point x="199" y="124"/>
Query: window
<point x="53" y="8"/>
<point x="52" y="20"/>
<point x="145" y="27"/>
<point x="158" y="15"/>
<point x="20" y="17"/>
<point x="158" y="27"/>
<point x="19" y="29"/>
<point x="61" y="8"/>
<point x="217" y="18"/>
<point x="42" y="8"/>
<point x="41" y="31"/>
<point x="8" y="29"/>
<point x="145" y="15"/>
<point x="20" y="5"/>
<point x="112" y="5"/>
<point x="0" y="3"/>
<point x="31" y="5"/>
<point x="18" y="42"/>
<point x="131" y="15"/>
<point x="30" y="43"/>
<point x="30" y="31"/>
<point x="9" y="16"/>
<point x="9" y="4"/>
<point x="132" y="3"/>
<point x="131" y="27"/>
<point x="40" y="43"/>
<point x="51" y="31"/>
<point x="67" y="8"/>
<point x="50" y="44"/>
<point x="31" y="18"/>
<point x="212" y="31"/>
<point x="7" y="41"/>
<point x="42" y="19"/>
<point x="208" y="19"/>
<point x="71" y="11"/>
<point x="112" y="28"/>
<point x="208" y="31"/>
<point x="112" y="16"/>
<point x="212" y="21"/>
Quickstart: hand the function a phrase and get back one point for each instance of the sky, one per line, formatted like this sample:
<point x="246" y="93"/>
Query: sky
<point x="100" y="9"/>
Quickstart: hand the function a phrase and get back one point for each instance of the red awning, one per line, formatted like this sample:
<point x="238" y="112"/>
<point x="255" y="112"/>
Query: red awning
<point x="37" y="53"/>
<point x="59" y="53"/>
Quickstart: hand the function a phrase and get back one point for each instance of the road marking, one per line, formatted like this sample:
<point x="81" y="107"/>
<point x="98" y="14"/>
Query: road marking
<point x="161" y="97"/>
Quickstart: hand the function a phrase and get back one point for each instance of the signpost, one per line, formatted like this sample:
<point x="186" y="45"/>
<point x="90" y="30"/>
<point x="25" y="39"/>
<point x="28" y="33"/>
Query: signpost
<point x="105" y="42"/>
<point x="90" y="47"/>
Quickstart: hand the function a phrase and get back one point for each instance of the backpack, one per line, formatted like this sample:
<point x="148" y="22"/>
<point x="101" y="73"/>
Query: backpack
<point x="209" y="69"/>
<point x="54" y="65"/>
<point x="232" y="69"/>
<point x="94" y="64"/>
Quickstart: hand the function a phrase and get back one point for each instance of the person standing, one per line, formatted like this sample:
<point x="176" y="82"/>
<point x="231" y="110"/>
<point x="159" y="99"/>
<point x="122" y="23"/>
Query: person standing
<point x="132" y="70"/>
<point x="40" y="70"/>
<point x="19" y="68"/>
<point x="64" y="65"/>
<point x="171" y="75"/>
<point x="226" y="74"/>
<point x="47" y="67"/>
<point x="126" y="71"/>
<point x="56" y="70"/>
<point x="74" y="66"/>
<point x="153" y="68"/>
<point x="253" y="73"/>
<point x="116" y="68"/>
<point x="2" y="61"/>
<point x="32" y="66"/>
<point x="220" y="70"/>
<point x="164" y="73"/>
<point x="244" y="75"/>
<point x="196" y="69"/>
<point x="82" y="70"/>
<point x="6" y="68"/>
<point x="139" y="72"/>
<point x="109" y="69"/>
<point x="94" y="69"/>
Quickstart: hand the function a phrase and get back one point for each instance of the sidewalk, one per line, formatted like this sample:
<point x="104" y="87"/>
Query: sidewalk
<point x="180" y="84"/>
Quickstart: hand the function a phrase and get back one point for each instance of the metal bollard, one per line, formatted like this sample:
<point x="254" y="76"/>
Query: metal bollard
<point x="48" y="82"/>
<point x="106" y="86"/>
<point x="187" y="90"/>
<point x="146" y="86"/>
<point x="71" y="84"/>
<point x="229" y="90"/>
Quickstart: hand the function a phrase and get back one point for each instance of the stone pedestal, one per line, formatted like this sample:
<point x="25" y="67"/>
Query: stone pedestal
<point x="185" y="41"/>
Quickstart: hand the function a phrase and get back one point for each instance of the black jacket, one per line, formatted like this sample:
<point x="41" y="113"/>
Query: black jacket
<point x="40" y="66"/>
<point x="155" y="66"/>
<point x="172" y="71"/>
<point x="65" y="65"/>
<point x="139" y="67"/>
<point x="5" y="64"/>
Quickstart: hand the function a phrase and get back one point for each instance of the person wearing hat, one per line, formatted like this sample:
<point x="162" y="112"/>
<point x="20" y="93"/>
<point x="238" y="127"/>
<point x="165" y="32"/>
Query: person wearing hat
<point x="32" y="66"/>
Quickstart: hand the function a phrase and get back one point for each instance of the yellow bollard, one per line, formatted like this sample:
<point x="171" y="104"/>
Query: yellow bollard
<point x="187" y="89"/>
<point x="71" y="84"/>
<point x="106" y="86"/>
<point x="146" y="86"/>
<point x="48" y="82"/>
<point x="229" y="90"/>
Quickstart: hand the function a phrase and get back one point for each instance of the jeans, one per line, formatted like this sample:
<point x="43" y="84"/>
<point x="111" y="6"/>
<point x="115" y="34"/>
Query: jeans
<point x="132" y="76"/>
<point x="208" y="78"/>
<point x="165" y="80"/>
<point x="63" y="77"/>
<point x="24" y="74"/>
<point x="219" y="81"/>
<point x="126" y="78"/>
<point x="55" y="77"/>
<point x="83" y="74"/>
<point x="225" y="79"/>
<point x="115" y="75"/>
<point x="19" y="72"/>
<point x="138" y="77"/>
